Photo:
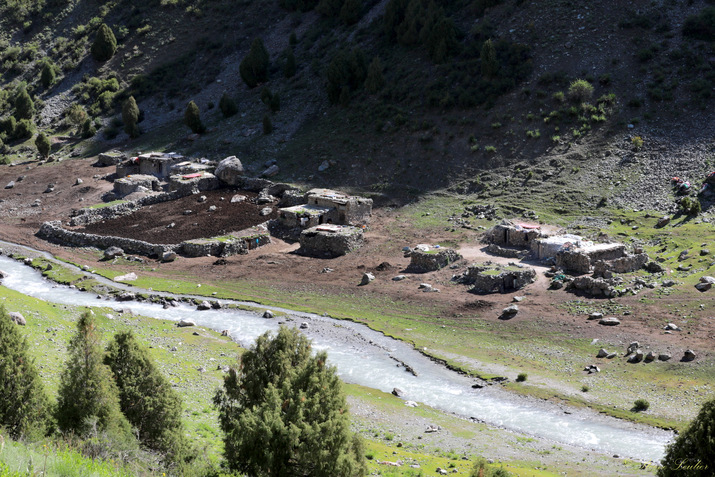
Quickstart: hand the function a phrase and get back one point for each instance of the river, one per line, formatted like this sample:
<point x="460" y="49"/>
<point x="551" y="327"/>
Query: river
<point x="368" y="358"/>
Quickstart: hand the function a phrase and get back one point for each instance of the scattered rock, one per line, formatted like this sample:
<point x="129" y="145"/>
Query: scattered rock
<point x="238" y="198"/>
<point x="609" y="321"/>
<point x="213" y="208"/>
<point x="202" y="199"/>
<point x="432" y="428"/>
<point x="126" y="296"/>
<point x="703" y="286"/>
<point x="704" y="252"/>
<point x="304" y="326"/>
<point x="397" y="392"/>
<point x="637" y="357"/>
<point x="667" y="283"/>
<point x="271" y="171"/>
<point x="78" y="181"/>
<point x="266" y="211"/>
<point x="367" y="278"/>
<point x="204" y="305"/>
<point x="410" y="404"/>
<point x="323" y="166"/>
<point x="664" y="356"/>
<point x="632" y="347"/>
<point x="50" y="188"/>
<point x="602" y="353"/>
<point x="592" y="368"/>
<point x="510" y="311"/>
<point x="649" y="357"/>
<point x="10" y="185"/>
<point x="399" y="278"/>
<point x="672" y="327"/>
<point x="663" y="221"/>
<point x="168" y="256"/>
<point x="595" y="316"/>
<point x="17" y="318"/>
<point x="185" y="323"/>
<point x="268" y="314"/>
<point x="230" y="170"/>
<point x="654" y="267"/>
<point x="113" y="252"/>
<point x="129" y="277"/>
<point x="689" y="355"/>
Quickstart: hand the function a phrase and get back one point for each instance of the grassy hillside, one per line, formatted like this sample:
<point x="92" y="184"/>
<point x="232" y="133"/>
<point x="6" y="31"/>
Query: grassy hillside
<point x="400" y="96"/>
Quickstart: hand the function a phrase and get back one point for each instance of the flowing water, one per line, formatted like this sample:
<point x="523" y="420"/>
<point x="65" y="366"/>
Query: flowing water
<point x="368" y="358"/>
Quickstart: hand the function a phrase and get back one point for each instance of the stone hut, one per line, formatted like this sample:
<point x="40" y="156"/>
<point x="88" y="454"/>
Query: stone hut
<point x="330" y="240"/>
<point x="345" y="209"/>
<point x="580" y="259"/>
<point x="158" y="164"/>
<point x="497" y="278"/>
<point x="514" y="234"/>
<point x="134" y="183"/>
<point x="196" y="181"/>
<point x="433" y="259"/>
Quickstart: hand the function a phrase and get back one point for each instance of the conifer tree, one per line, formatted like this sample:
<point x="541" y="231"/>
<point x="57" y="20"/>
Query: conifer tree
<point x="146" y="397"/>
<point x="48" y="73"/>
<point x="24" y="407"/>
<point x="290" y="68"/>
<point x="254" y="67"/>
<point x="43" y="145"/>
<point x="227" y="105"/>
<point x="374" y="81"/>
<point x="24" y="106"/>
<point x="692" y="454"/>
<point x="130" y="117"/>
<point x="283" y="412"/>
<point x="489" y="59"/>
<point x="105" y="44"/>
<point x="267" y="124"/>
<point x="88" y="396"/>
<point x="192" y="118"/>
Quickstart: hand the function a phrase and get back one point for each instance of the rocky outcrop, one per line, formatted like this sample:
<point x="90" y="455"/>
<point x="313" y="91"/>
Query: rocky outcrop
<point x="596" y="286"/>
<point x="496" y="278"/>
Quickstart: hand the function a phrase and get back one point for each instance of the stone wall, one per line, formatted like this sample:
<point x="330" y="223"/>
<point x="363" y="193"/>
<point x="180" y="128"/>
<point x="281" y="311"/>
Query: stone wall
<point x="573" y="261"/>
<point x="497" y="279"/>
<point x="509" y="236"/>
<point x="330" y="243"/>
<point x="207" y="181"/>
<point x="432" y="260"/>
<point x="54" y="232"/>
<point x="495" y="249"/>
<point x="90" y="216"/>
<point x="628" y="264"/>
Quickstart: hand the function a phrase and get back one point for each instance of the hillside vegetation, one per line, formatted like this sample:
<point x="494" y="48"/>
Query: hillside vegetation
<point x="400" y="95"/>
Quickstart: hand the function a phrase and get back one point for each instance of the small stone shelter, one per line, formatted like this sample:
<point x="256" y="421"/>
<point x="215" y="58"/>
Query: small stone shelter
<point x="346" y="209"/>
<point x="133" y="183"/>
<point x="514" y="234"/>
<point x="429" y="260"/>
<point x="330" y="240"/>
<point x="497" y="278"/>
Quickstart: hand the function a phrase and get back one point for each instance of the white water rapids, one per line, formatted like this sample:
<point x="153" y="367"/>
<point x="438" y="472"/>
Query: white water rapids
<point x="365" y="357"/>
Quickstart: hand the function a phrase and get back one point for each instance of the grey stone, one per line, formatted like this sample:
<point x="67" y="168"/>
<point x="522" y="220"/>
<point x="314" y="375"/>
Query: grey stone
<point x="169" y="256"/>
<point x="268" y="314"/>
<point x="185" y="323"/>
<point x="271" y="171"/>
<point x="323" y="166"/>
<point x="367" y="278"/>
<point x="17" y="318"/>
<point x="510" y="310"/>
<point x="664" y="356"/>
<point x="397" y="392"/>
<point x="10" y="185"/>
<point x="609" y="321"/>
<point x="399" y="278"/>
<point x="632" y="347"/>
<point x="113" y="252"/>
<point x="707" y="279"/>
<point x="689" y="355"/>
<point x="213" y="208"/>
<point x="663" y="221"/>
<point x="204" y="305"/>
<point x="202" y="199"/>
<point x="667" y="283"/>
<point x="602" y="353"/>
<point x="704" y="252"/>
<point x="595" y="316"/>
<point x="649" y="357"/>
<point x="637" y="357"/>
<point x="78" y="181"/>
<point x="672" y="326"/>
<point x="611" y="355"/>
<point x="238" y="198"/>
<point x="703" y="286"/>
<point x="266" y="211"/>
<point x="304" y="326"/>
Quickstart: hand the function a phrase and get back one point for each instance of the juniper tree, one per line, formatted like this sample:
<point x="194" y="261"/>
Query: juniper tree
<point x="374" y="81"/>
<point x="489" y="59"/>
<point x="43" y="145"/>
<point x="290" y="68"/>
<point x="254" y="67"/>
<point x="88" y="396"/>
<point x="130" y="117"/>
<point x="283" y="412"/>
<point x="24" y="106"/>
<point x="48" y="73"/>
<point x="192" y="118"/>
<point x="692" y="454"/>
<point x="105" y="44"/>
<point x="227" y="105"/>
<point x="146" y="398"/>
<point x="24" y="407"/>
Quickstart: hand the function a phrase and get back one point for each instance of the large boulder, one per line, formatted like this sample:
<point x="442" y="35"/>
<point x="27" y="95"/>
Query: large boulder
<point x="230" y="171"/>
<point x="17" y="318"/>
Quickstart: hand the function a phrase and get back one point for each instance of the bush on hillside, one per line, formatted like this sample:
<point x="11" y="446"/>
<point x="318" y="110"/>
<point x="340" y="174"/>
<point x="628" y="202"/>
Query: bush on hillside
<point x="267" y="124"/>
<point x="48" y="75"/>
<point x="24" y="130"/>
<point x="701" y="26"/>
<point x="105" y="44"/>
<point x="580" y="90"/>
<point x="374" y="81"/>
<point x="254" y="67"/>
<point x="43" y="145"/>
<point x="24" y="106"/>
<point x="290" y="68"/>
